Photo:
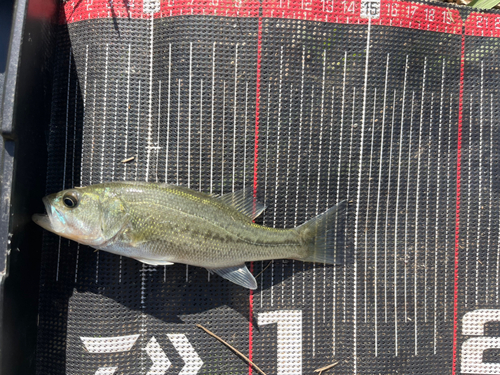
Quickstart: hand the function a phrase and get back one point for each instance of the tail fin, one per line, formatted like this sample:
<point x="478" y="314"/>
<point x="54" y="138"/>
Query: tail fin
<point x="324" y="235"/>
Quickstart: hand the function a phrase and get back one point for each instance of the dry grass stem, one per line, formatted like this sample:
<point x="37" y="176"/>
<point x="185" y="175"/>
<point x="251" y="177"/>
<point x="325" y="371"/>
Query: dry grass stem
<point x="232" y="348"/>
<point x="320" y="370"/>
<point x="128" y="159"/>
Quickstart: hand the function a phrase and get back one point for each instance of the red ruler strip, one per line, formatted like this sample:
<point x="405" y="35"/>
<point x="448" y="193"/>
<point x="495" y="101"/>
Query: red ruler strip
<point x="389" y="12"/>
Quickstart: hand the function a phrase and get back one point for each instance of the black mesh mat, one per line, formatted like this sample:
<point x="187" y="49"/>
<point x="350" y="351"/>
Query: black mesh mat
<point x="311" y="103"/>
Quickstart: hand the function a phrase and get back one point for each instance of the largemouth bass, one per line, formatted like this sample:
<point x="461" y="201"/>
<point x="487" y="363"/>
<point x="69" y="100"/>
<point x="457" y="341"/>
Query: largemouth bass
<point x="161" y="224"/>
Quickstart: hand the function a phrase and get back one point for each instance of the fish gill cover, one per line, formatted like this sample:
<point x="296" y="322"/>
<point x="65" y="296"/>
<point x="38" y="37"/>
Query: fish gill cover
<point x="390" y="105"/>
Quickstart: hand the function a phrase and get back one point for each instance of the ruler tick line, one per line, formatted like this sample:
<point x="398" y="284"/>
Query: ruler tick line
<point x="104" y="112"/>
<point x="150" y="108"/>
<point x="330" y="151"/>
<point x="379" y="189"/>
<point x="84" y="108"/>
<point x="321" y="134"/>
<point x="457" y="207"/>
<point x="498" y="240"/>
<point x="307" y="217"/>
<point x="287" y="178"/>
<point x="348" y="199"/>
<point x="67" y="120"/>
<point x="334" y="318"/>
<point x="73" y="166"/>
<point x="189" y="112"/>
<point x="406" y="207"/>
<point x="278" y="142"/>
<point x="439" y="140"/>
<point x="167" y="147"/>
<point x="319" y="172"/>
<point x="235" y="106"/>
<point x="158" y="130"/>
<point x="266" y="165"/>
<point x="74" y="140"/>
<point x="212" y="125"/>
<point x="309" y="154"/>
<point x="396" y="227"/>
<point x="480" y="195"/>
<point x="358" y="199"/>
<point x="245" y="137"/>
<point x="201" y="136"/>
<point x="115" y="133"/>
<point x="429" y="146"/>
<point x="334" y="290"/>
<point x="74" y="136"/>
<point x="93" y="134"/>
<point x="127" y="113"/>
<point x="223" y="134"/>
<point x="65" y="151"/>
<point x="415" y="284"/>
<point x="178" y="128"/>
<point x="92" y="162"/>
<point x="138" y="132"/>
<point x="148" y="160"/>
<point x="469" y="173"/>
<point x="387" y="204"/>
<point x="368" y="204"/>
<point x="300" y="137"/>
<point x="490" y="178"/>
<point x="448" y="189"/>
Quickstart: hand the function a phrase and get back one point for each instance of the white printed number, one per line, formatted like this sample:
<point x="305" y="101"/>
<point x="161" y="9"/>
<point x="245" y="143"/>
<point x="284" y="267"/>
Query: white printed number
<point x="328" y="6"/>
<point x="370" y="9"/>
<point x="307" y="4"/>
<point x="349" y="7"/>
<point x="430" y="14"/>
<point x="289" y="339"/>
<point x="473" y="348"/>
<point x="151" y="6"/>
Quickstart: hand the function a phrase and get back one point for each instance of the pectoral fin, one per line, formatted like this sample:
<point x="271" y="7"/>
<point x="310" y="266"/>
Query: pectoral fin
<point x="238" y="274"/>
<point x="154" y="262"/>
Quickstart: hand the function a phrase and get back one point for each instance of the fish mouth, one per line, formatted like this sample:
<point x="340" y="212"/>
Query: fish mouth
<point x="46" y="221"/>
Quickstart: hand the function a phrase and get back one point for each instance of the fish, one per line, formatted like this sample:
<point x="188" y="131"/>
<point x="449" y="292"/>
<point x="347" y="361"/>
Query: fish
<point x="162" y="224"/>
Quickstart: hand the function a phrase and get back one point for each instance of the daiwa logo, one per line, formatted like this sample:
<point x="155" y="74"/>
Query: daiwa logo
<point x="473" y="349"/>
<point x="161" y="363"/>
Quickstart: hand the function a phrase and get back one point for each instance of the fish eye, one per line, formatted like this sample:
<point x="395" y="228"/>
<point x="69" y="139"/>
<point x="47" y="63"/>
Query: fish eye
<point x="70" y="199"/>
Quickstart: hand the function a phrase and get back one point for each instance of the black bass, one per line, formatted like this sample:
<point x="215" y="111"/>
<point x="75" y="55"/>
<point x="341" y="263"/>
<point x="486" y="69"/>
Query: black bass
<point x="161" y="224"/>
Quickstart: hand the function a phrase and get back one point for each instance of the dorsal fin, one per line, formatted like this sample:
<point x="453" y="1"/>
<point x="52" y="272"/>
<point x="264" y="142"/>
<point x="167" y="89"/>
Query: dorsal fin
<point x="244" y="202"/>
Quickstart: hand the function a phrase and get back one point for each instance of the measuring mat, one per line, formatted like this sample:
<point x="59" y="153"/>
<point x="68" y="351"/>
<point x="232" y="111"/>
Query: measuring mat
<point x="390" y="105"/>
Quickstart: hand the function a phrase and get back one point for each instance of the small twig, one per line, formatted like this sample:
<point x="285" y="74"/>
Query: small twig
<point x="128" y="159"/>
<point x="265" y="268"/>
<point x="232" y="348"/>
<point x="320" y="370"/>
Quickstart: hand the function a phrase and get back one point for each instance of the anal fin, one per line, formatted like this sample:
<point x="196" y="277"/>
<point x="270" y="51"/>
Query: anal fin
<point x="237" y="274"/>
<point x="154" y="262"/>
